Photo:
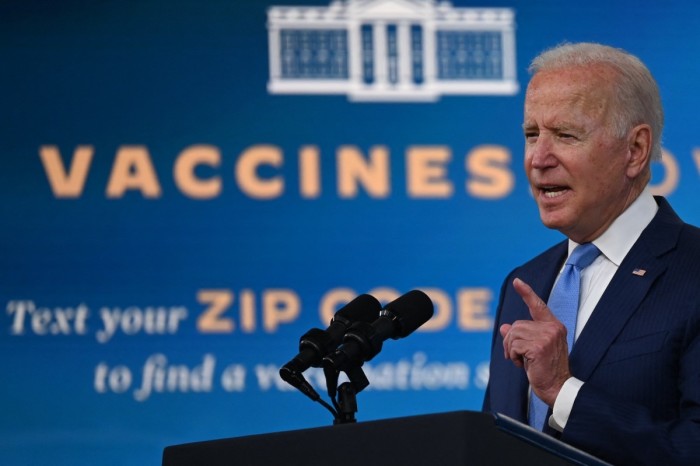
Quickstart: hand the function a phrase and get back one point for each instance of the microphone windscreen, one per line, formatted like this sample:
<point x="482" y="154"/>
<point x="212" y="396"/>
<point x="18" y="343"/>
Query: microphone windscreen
<point x="364" y="308"/>
<point x="411" y="310"/>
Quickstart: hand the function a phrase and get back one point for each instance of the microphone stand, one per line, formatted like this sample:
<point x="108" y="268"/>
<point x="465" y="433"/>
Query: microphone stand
<point x="296" y="379"/>
<point x="344" y="396"/>
<point x="347" y="404"/>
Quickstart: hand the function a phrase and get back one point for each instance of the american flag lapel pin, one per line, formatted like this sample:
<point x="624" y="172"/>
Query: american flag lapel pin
<point x="639" y="272"/>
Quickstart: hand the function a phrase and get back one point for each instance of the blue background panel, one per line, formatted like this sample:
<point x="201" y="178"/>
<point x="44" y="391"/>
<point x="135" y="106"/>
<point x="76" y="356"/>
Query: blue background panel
<point x="104" y="355"/>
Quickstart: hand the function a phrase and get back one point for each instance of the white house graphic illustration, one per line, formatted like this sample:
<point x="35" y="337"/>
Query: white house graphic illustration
<point x="391" y="50"/>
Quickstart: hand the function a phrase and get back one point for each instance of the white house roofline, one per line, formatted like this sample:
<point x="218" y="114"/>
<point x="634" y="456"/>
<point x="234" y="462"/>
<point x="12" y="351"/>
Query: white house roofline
<point x="392" y="50"/>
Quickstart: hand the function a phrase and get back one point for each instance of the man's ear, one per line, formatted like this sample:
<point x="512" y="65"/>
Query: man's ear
<point x="640" y="141"/>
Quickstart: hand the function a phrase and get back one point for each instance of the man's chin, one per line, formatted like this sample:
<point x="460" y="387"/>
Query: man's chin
<point x="553" y="222"/>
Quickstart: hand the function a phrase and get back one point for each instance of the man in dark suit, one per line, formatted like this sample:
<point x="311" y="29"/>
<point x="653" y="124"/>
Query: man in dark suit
<point x="629" y="390"/>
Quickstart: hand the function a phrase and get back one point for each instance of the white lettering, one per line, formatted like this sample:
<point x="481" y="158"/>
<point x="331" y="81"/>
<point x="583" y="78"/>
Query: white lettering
<point x="159" y="376"/>
<point x="47" y="321"/>
<point x="133" y="320"/>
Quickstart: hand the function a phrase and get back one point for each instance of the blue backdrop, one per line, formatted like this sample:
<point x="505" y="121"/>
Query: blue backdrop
<point x="170" y="227"/>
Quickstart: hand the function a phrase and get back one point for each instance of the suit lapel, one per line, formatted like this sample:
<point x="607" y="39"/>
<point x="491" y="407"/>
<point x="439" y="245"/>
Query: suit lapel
<point x="615" y="307"/>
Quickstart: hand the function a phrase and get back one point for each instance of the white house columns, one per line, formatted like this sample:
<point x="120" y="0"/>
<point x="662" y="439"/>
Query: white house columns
<point x="382" y="50"/>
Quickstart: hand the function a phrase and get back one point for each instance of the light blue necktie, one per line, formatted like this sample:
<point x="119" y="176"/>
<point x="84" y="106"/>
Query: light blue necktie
<point x="563" y="301"/>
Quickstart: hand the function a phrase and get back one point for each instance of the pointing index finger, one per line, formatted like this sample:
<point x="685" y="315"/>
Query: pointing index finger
<point x="538" y="308"/>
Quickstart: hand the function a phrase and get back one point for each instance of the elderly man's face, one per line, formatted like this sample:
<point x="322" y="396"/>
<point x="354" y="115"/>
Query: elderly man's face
<point x="575" y="163"/>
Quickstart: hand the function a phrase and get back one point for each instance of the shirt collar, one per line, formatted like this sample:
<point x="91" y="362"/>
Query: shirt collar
<point x="621" y="235"/>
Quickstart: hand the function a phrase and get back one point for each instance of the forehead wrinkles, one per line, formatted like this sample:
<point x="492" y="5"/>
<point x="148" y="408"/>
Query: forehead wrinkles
<point x="569" y="95"/>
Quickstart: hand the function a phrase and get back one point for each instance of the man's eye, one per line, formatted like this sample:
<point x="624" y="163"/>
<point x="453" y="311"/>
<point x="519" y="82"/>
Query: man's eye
<point x="531" y="136"/>
<point x="567" y="136"/>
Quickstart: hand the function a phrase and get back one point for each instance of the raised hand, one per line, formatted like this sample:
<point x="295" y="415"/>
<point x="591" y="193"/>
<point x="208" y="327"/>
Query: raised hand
<point x="538" y="345"/>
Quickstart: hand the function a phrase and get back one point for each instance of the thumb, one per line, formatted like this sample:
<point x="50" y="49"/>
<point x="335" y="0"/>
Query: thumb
<point x="504" y="329"/>
<point x="538" y="308"/>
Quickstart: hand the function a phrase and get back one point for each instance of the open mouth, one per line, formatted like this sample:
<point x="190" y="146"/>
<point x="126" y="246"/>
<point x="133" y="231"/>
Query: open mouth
<point x="553" y="191"/>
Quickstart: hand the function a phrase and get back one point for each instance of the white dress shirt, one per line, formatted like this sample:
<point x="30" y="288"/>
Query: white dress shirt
<point x="614" y="244"/>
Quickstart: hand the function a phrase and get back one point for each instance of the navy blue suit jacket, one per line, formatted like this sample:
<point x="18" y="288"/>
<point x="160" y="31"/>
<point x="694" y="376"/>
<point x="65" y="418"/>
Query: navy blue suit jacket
<point x="639" y="353"/>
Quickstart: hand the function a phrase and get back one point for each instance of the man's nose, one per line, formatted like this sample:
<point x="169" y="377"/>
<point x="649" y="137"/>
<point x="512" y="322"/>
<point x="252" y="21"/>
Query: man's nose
<point x="541" y="153"/>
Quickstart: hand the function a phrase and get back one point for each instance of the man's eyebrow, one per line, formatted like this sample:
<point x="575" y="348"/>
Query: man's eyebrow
<point x="567" y="127"/>
<point x="561" y="126"/>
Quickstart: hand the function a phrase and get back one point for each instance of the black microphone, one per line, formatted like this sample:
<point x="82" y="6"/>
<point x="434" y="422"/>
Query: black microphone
<point x="363" y="341"/>
<point x="317" y="343"/>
